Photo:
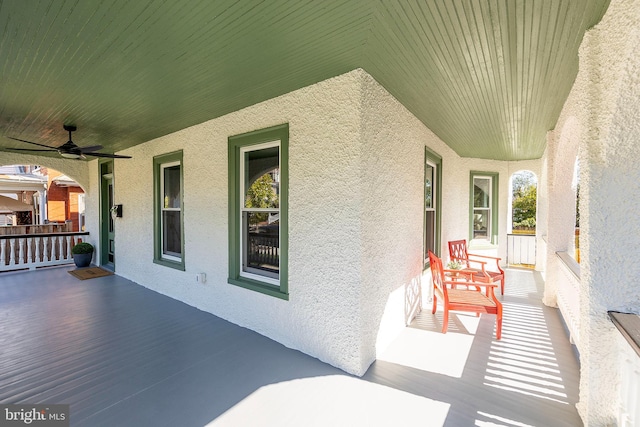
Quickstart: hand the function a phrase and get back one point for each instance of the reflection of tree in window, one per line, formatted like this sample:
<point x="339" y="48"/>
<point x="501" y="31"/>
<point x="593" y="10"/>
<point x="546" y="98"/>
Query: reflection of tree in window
<point x="262" y="194"/>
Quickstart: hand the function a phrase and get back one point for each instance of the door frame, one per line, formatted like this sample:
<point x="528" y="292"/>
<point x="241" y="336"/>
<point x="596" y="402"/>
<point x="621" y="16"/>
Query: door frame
<point x="105" y="170"/>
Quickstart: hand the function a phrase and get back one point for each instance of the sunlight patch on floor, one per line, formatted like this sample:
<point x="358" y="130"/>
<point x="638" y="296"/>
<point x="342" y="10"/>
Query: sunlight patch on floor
<point x="524" y="361"/>
<point x="333" y="401"/>
<point x="414" y="348"/>
<point x="496" y="421"/>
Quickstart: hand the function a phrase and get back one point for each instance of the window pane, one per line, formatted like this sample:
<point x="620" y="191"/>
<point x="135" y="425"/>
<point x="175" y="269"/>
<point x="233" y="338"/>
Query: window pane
<point x="262" y="178"/>
<point x="428" y="188"/>
<point x="262" y="244"/>
<point x="480" y="224"/>
<point x="172" y="187"/>
<point x="171" y="233"/>
<point x="430" y="233"/>
<point x="481" y="192"/>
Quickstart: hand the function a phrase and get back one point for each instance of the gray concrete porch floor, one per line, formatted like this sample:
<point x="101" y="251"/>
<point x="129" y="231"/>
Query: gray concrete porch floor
<point x="122" y="355"/>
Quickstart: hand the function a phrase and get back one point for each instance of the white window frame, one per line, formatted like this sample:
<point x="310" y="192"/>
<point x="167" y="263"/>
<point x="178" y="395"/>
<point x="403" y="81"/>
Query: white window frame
<point x="433" y="208"/>
<point x="242" y="209"/>
<point x="163" y="209"/>
<point x="487" y="209"/>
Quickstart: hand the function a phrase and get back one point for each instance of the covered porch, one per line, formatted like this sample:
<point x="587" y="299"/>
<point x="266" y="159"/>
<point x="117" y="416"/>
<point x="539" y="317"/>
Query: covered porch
<point x="121" y="354"/>
<point x="384" y="118"/>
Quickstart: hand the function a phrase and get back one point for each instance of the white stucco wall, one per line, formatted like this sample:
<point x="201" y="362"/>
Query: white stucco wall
<point x="322" y="316"/>
<point x="393" y="150"/>
<point x="603" y="115"/>
<point x="392" y="216"/>
<point x="355" y="217"/>
<point x="558" y="206"/>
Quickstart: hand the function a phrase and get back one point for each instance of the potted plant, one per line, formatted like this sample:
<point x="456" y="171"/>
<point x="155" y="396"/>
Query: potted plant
<point x="82" y="254"/>
<point x="454" y="265"/>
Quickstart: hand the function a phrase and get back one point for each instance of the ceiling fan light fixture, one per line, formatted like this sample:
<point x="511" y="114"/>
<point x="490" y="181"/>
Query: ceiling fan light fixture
<point x="69" y="150"/>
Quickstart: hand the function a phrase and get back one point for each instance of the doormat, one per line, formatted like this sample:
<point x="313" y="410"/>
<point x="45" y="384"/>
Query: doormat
<point x="90" y="273"/>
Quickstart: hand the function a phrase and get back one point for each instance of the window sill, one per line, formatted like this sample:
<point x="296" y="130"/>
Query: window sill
<point x="481" y="245"/>
<point x="171" y="264"/>
<point x="258" y="286"/>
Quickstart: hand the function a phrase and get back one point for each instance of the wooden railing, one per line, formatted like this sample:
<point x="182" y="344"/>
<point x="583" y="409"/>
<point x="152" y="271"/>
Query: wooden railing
<point x="264" y="251"/>
<point x="63" y="227"/>
<point x="30" y="251"/>
<point x="521" y="249"/>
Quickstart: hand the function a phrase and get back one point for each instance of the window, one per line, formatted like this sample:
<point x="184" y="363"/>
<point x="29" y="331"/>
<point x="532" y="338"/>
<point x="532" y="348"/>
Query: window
<point x="432" y="201"/>
<point x="258" y="210"/>
<point x="484" y="206"/>
<point x="168" y="224"/>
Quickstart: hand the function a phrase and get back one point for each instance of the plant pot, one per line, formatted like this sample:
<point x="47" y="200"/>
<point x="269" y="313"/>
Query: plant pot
<point x="82" y="260"/>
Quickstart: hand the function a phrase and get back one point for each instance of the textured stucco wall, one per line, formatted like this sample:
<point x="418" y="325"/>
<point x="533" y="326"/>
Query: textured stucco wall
<point x="558" y="206"/>
<point x="393" y="150"/>
<point x="392" y="215"/>
<point x="355" y="217"/>
<point x="322" y="316"/>
<point x="603" y="114"/>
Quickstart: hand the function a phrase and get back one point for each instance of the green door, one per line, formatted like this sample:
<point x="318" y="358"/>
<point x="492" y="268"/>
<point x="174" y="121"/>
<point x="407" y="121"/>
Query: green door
<point x="107" y="229"/>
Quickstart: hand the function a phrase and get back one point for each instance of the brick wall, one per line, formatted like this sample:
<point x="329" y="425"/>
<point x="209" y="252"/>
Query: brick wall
<point x="62" y="204"/>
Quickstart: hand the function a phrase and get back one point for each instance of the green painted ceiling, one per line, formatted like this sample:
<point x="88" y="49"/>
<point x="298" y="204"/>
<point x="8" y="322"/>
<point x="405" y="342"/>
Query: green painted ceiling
<point x="489" y="77"/>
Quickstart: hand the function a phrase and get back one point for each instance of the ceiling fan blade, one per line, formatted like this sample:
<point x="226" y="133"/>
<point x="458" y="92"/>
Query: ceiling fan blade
<point x="91" y="148"/>
<point x="70" y="150"/>
<point x="111" y="156"/>
<point x="29" y="142"/>
<point x="30" y="149"/>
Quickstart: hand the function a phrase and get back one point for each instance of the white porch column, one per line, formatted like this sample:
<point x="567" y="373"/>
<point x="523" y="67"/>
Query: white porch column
<point x="43" y="205"/>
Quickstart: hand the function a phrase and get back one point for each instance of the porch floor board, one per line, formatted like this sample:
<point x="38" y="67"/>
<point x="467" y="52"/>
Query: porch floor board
<point x="121" y="354"/>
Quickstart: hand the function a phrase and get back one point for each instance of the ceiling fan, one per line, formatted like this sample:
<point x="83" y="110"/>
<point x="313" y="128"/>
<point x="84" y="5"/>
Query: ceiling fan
<point x="69" y="150"/>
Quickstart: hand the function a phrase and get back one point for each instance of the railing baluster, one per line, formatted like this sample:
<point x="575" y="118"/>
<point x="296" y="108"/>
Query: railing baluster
<point x="3" y="253"/>
<point x="47" y="249"/>
<point x="59" y="240"/>
<point x="29" y="249"/>
<point x="21" y="251"/>
<point x="12" y="248"/>
<point x="37" y="255"/>
<point x="67" y="248"/>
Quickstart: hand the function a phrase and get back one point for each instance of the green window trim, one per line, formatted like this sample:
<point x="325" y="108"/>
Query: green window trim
<point x="236" y="144"/>
<point x="433" y="158"/>
<point x="494" y="202"/>
<point x="158" y="258"/>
